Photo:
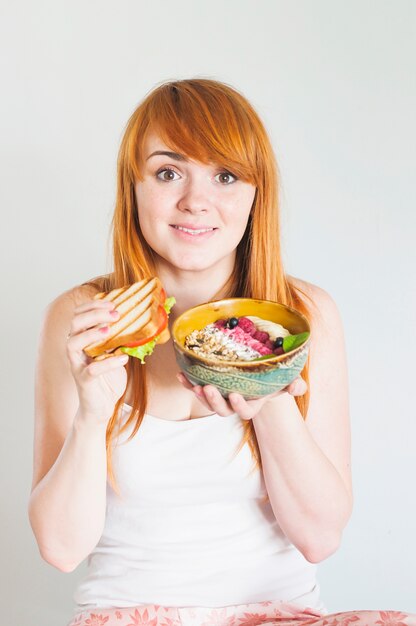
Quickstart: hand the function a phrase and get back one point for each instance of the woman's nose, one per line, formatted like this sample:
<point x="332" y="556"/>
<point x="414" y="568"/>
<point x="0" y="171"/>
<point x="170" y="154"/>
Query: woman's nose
<point x="194" y="199"/>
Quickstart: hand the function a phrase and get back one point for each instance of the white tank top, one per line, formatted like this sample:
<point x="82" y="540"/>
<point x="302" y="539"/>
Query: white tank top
<point x="190" y="527"/>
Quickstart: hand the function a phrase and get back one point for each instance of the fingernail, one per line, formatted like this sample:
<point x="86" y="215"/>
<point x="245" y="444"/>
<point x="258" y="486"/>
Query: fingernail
<point x="180" y="377"/>
<point x="104" y="329"/>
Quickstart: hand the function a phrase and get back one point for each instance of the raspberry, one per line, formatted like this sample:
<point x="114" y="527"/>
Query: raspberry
<point x="269" y="344"/>
<point x="261" y="336"/>
<point x="278" y="351"/>
<point x="220" y="323"/>
<point x="250" y="341"/>
<point x="237" y="334"/>
<point x="245" y="339"/>
<point x="247" y="325"/>
<point x="263" y="349"/>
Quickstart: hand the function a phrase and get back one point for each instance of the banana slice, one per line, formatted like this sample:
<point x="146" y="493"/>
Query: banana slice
<point x="274" y="330"/>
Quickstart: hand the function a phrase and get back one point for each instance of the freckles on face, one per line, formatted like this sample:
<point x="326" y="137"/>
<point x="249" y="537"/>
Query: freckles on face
<point x="148" y="199"/>
<point x="162" y="210"/>
<point x="201" y="204"/>
<point x="178" y="193"/>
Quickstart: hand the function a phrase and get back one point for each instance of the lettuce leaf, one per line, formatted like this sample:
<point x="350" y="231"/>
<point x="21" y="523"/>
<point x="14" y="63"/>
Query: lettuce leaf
<point x="169" y="302"/>
<point x="140" y="352"/>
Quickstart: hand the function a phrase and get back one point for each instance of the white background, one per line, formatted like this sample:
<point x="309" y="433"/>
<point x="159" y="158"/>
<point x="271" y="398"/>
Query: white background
<point x="334" y="82"/>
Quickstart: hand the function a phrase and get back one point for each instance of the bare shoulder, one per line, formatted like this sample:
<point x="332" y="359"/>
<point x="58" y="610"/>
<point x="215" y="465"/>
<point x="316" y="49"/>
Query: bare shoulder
<point x="324" y="311"/>
<point x="316" y="293"/>
<point x="72" y="297"/>
<point x="58" y="313"/>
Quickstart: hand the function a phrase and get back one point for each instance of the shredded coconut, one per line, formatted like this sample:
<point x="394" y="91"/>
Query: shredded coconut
<point x="211" y="341"/>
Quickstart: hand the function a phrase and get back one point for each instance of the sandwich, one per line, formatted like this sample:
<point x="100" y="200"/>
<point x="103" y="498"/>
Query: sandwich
<point x="143" y="322"/>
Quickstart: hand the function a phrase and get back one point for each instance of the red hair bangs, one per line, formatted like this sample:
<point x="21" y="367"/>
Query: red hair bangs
<point x="205" y="124"/>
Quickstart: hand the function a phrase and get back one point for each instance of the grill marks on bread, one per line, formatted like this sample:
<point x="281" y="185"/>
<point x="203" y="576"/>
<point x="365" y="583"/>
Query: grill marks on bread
<point x="137" y="305"/>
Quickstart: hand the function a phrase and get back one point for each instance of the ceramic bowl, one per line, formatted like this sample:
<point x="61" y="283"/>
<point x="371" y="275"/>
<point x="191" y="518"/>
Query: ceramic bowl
<point x="250" y="379"/>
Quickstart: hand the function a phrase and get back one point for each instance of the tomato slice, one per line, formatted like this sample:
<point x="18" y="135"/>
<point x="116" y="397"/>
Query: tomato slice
<point x="162" y="321"/>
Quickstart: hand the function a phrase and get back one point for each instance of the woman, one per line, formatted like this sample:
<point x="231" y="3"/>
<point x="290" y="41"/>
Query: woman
<point x="133" y="465"/>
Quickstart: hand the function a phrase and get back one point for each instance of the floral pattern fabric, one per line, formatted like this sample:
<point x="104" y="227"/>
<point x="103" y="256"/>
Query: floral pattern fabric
<point x="269" y="613"/>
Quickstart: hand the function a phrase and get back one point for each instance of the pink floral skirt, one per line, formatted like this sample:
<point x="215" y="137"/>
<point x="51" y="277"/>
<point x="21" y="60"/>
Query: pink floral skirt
<point x="278" y="613"/>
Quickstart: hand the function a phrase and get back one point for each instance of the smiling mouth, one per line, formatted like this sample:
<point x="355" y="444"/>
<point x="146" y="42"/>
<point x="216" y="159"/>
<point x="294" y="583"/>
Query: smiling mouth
<point x="193" y="231"/>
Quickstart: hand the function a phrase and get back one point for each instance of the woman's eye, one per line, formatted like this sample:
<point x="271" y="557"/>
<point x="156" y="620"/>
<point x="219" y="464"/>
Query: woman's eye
<point x="226" y="178"/>
<point x="167" y="174"/>
<point x="164" y="178"/>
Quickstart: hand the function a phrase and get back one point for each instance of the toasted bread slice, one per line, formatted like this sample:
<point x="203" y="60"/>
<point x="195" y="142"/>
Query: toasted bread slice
<point x="137" y="305"/>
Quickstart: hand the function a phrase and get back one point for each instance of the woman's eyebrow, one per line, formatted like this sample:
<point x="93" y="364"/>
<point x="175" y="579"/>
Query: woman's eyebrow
<point x="172" y="155"/>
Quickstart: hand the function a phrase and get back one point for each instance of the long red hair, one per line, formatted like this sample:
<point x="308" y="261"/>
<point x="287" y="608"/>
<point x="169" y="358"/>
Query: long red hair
<point x="208" y="121"/>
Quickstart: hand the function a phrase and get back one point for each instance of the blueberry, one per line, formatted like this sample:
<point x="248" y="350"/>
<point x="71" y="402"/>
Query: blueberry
<point x="278" y="342"/>
<point x="232" y="322"/>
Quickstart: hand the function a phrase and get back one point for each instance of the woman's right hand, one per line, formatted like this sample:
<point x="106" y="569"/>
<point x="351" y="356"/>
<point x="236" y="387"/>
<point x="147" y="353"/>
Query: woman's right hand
<point x="99" y="383"/>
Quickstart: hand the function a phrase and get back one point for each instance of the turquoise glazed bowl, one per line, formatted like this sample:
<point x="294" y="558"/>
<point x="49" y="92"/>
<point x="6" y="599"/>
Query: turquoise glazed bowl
<point x="250" y="379"/>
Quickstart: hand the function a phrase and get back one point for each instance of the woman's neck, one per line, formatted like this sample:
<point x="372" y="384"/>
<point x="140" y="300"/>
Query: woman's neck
<point x="191" y="288"/>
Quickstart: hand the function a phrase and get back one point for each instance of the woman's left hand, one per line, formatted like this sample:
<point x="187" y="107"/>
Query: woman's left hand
<point x="246" y="409"/>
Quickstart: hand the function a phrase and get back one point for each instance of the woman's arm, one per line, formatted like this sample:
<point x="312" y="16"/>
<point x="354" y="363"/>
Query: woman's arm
<point x="67" y="503"/>
<point x="306" y="464"/>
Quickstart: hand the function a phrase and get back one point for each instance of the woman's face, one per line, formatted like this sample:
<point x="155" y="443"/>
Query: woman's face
<point x="192" y="215"/>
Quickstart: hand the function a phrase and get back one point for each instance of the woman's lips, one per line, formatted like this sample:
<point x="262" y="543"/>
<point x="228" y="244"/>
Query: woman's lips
<point x="193" y="234"/>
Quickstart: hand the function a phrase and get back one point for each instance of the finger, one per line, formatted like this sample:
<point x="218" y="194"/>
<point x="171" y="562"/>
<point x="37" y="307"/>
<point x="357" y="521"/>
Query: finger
<point x="100" y="367"/>
<point x="196" y="389"/>
<point x="76" y="344"/>
<point x="89" y="319"/>
<point x="216" y="401"/>
<point x="93" y="304"/>
<point x="240" y="406"/>
<point x="184" y="381"/>
<point x="298" y="387"/>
